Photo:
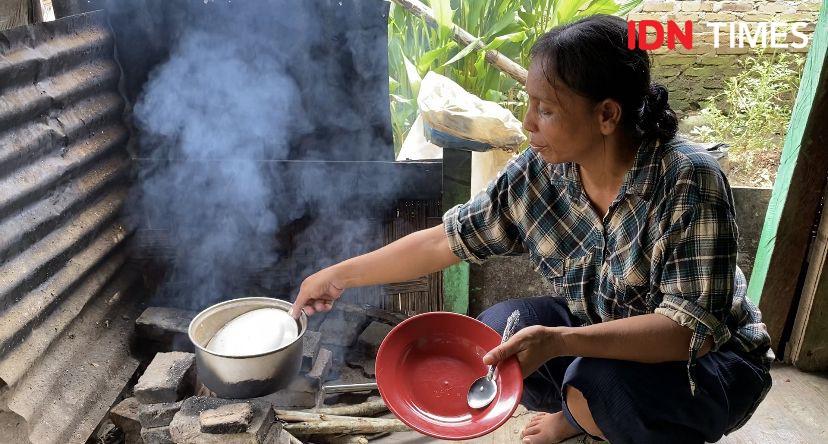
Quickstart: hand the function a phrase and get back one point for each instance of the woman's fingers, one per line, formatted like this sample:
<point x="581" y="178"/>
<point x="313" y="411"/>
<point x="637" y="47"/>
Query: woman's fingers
<point x="503" y="351"/>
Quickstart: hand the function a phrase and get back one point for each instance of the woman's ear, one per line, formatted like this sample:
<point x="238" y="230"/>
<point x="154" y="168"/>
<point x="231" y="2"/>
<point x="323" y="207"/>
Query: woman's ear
<point x="608" y="113"/>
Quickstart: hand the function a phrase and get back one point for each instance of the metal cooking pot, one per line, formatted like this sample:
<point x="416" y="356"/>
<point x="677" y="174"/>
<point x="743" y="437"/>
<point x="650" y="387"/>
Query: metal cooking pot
<point x="244" y="376"/>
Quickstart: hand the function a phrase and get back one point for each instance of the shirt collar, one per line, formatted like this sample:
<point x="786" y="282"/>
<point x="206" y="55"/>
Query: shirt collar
<point x="639" y="180"/>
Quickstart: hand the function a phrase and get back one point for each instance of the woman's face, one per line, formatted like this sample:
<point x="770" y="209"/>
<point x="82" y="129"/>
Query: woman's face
<point x="562" y="126"/>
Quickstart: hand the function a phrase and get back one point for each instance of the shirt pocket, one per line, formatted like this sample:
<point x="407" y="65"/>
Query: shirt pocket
<point x="571" y="277"/>
<point x="631" y="282"/>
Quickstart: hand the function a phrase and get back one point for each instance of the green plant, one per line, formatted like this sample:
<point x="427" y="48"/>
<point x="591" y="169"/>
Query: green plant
<point x="509" y="26"/>
<point x="753" y="110"/>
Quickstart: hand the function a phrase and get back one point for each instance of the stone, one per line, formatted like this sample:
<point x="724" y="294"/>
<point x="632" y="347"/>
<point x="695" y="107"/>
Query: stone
<point x="658" y="6"/>
<point x="157" y="415"/>
<point x="755" y="17"/>
<point x="378" y="314"/>
<point x="125" y="416"/>
<point x="310" y="348"/>
<point x="720" y="17"/>
<point x="774" y="8"/>
<point x="370" y="339"/>
<point x="157" y="435"/>
<point x="186" y="425"/>
<point x="343" y="324"/>
<point x="690" y="6"/>
<point x="230" y="418"/>
<point x="737" y="6"/>
<point x="166" y="327"/>
<point x="322" y="366"/>
<point x="168" y="378"/>
<point x="672" y="59"/>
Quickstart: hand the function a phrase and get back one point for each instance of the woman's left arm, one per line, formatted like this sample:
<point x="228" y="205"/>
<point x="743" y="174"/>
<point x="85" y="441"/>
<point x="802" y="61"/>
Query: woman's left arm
<point x="649" y="338"/>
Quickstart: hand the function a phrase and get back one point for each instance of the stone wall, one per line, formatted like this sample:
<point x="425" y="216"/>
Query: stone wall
<point x="693" y="75"/>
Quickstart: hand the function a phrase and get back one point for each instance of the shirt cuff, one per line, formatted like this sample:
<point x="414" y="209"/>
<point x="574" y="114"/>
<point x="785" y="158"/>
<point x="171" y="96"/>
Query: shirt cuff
<point x="691" y="315"/>
<point x="451" y="223"/>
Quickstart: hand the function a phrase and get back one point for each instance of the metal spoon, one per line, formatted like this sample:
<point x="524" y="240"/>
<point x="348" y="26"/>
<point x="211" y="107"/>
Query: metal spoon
<point x="482" y="392"/>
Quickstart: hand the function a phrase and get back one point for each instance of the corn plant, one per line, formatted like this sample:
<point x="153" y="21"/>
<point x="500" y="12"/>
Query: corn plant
<point x="508" y="26"/>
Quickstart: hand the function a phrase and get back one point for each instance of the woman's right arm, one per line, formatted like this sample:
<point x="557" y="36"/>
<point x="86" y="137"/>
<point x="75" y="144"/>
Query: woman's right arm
<point x="415" y="255"/>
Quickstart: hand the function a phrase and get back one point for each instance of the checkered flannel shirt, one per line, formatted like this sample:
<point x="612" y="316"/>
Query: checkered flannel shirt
<point x="667" y="244"/>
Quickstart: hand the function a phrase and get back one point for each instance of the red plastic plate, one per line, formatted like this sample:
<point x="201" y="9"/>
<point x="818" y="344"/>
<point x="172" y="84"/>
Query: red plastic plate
<point x="425" y="367"/>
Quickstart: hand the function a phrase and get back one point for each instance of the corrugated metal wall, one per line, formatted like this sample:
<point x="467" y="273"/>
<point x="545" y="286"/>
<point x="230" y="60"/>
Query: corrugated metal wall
<point x="65" y="314"/>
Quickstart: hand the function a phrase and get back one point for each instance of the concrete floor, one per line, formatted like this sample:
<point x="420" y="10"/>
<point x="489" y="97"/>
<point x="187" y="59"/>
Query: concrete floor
<point x="795" y="411"/>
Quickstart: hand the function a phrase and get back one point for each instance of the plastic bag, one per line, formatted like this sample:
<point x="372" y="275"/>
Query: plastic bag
<point x="416" y="147"/>
<point x="447" y="107"/>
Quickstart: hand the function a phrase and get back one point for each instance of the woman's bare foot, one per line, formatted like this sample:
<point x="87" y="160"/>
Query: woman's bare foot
<point x="547" y="428"/>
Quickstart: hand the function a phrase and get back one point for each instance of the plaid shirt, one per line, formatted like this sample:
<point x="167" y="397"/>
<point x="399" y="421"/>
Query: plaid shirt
<point x="667" y="244"/>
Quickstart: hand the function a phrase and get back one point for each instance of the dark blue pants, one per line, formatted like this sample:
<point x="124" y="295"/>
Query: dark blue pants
<point x="635" y="402"/>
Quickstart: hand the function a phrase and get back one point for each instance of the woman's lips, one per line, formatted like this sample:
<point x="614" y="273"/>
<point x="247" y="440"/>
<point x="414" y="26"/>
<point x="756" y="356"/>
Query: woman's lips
<point x="537" y="148"/>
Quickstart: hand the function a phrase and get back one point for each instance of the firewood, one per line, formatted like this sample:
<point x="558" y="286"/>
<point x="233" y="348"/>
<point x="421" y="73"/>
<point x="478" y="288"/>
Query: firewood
<point x="369" y="408"/>
<point x="348" y="426"/>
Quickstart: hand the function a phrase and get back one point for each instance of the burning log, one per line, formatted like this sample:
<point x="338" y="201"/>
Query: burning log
<point x="345" y="425"/>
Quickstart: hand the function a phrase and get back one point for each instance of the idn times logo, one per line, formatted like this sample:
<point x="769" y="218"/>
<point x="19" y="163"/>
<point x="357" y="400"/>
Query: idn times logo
<point x="652" y="34"/>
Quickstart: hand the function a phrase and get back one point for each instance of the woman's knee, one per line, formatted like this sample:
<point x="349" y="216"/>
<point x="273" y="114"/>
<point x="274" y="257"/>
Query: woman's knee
<point x="578" y="407"/>
<point x="543" y="310"/>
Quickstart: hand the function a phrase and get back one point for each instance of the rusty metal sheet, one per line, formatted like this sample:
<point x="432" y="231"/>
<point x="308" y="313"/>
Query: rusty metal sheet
<point x="66" y="311"/>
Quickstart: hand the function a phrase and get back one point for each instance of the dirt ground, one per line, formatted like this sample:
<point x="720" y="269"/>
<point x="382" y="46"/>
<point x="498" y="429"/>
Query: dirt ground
<point x="794" y="412"/>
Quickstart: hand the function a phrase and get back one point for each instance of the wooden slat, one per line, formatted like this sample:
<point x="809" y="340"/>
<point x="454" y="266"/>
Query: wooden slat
<point x="796" y="193"/>
<point x="810" y="330"/>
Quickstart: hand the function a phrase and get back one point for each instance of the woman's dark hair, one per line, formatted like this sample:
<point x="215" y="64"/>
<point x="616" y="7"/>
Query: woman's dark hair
<point x="591" y="57"/>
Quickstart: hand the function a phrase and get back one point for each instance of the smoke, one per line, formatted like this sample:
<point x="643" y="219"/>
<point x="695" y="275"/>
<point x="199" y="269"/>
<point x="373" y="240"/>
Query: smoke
<point x="235" y="96"/>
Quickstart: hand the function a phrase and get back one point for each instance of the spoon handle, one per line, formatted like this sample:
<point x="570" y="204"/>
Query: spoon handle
<point x="511" y="323"/>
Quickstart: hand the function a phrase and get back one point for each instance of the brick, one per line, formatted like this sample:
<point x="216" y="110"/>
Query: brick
<point x="157" y="435"/>
<point x="168" y="378"/>
<point x="230" y="418"/>
<point x="310" y="348"/>
<point x="737" y="6"/>
<point x="125" y="417"/>
<point x="186" y="425"/>
<point x="370" y="339"/>
<point x="658" y="6"/>
<point x="166" y="327"/>
<point x="699" y="71"/>
<point x="157" y="415"/>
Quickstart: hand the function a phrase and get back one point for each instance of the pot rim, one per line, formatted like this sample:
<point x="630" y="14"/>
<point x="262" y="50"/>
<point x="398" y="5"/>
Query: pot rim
<point x="303" y="319"/>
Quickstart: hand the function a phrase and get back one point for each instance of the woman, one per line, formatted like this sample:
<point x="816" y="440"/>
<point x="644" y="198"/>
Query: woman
<point x="648" y="337"/>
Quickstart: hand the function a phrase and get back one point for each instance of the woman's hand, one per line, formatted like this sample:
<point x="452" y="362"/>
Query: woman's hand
<point x="318" y="292"/>
<point x="532" y="346"/>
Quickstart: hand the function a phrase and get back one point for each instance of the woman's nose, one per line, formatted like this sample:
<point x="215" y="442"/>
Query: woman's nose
<point x="529" y="123"/>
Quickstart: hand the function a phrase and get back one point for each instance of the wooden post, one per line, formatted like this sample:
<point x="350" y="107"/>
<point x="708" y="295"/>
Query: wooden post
<point x="796" y="193"/>
<point x="456" y="190"/>
<point x="807" y="348"/>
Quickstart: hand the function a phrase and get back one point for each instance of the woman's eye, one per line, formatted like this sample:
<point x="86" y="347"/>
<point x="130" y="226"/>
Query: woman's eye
<point x="544" y="113"/>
